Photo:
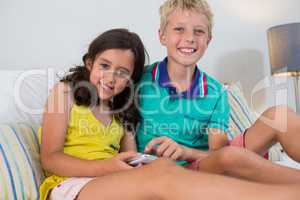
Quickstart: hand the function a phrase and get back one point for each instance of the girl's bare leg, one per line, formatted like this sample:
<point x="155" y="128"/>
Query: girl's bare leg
<point x="164" y="180"/>
<point x="277" y="124"/>
<point x="243" y="163"/>
<point x="135" y="184"/>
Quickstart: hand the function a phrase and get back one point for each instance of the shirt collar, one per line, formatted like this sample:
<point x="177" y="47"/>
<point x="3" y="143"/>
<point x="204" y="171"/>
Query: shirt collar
<point x="161" y="76"/>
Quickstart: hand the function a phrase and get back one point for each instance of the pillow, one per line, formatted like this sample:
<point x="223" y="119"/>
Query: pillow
<point x="20" y="169"/>
<point x="241" y="116"/>
<point x="24" y="93"/>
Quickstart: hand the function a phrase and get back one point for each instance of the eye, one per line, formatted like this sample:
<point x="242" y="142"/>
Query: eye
<point x="199" y="31"/>
<point x="104" y="66"/>
<point x="179" y="29"/>
<point x="122" y="73"/>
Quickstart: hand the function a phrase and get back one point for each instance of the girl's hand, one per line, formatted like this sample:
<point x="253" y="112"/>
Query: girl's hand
<point x="121" y="158"/>
<point x="166" y="147"/>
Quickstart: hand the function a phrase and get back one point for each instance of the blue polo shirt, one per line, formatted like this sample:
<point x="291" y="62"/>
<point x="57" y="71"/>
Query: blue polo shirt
<point x="183" y="117"/>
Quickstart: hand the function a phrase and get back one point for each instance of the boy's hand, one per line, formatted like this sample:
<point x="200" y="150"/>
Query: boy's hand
<point x="165" y="147"/>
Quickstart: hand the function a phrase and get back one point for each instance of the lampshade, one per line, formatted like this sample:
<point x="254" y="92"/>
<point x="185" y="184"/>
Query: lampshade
<point x="284" y="48"/>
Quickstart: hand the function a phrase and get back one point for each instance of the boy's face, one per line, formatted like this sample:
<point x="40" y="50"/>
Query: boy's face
<point x="186" y="37"/>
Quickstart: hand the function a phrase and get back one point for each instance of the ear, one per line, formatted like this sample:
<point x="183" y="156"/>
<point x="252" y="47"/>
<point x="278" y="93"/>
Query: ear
<point x="208" y="40"/>
<point x="162" y="36"/>
<point x="89" y="64"/>
<point x="128" y="84"/>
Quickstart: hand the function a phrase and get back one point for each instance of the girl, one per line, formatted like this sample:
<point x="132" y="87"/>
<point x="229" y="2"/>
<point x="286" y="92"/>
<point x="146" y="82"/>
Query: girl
<point x="81" y="131"/>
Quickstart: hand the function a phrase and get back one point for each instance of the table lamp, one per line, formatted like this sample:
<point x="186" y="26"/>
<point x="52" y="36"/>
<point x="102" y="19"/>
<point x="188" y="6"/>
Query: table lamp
<point x="284" y="52"/>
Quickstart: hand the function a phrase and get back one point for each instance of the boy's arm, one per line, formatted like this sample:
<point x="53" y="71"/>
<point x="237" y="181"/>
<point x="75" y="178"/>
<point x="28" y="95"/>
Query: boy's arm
<point x="216" y="139"/>
<point x="218" y="125"/>
<point x="191" y="154"/>
<point x="166" y="147"/>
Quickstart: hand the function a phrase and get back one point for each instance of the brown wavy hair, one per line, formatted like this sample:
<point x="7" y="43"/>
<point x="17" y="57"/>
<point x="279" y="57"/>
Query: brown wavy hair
<point x="86" y="94"/>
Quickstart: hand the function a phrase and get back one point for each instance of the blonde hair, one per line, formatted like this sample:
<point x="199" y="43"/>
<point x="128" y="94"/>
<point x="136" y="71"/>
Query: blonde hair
<point x="192" y="5"/>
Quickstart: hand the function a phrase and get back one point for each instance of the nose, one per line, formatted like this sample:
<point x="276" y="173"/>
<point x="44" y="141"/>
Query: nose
<point x="110" y="77"/>
<point x="189" y="37"/>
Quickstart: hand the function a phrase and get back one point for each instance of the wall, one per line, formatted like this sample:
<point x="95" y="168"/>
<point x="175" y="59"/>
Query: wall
<point x="47" y="34"/>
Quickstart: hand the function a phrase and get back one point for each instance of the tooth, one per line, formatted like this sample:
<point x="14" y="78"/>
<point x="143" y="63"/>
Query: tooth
<point x="187" y="50"/>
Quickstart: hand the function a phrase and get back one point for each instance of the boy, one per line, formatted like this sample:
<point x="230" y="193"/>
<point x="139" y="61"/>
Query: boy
<point x="182" y="95"/>
<point x="184" y="111"/>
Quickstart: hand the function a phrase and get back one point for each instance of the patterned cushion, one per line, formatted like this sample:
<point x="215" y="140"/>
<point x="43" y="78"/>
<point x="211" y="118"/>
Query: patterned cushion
<point x="20" y="170"/>
<point x="241" y="116"/>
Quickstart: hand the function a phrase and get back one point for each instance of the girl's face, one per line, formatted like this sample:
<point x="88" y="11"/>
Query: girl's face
<point x="110" y="72"/>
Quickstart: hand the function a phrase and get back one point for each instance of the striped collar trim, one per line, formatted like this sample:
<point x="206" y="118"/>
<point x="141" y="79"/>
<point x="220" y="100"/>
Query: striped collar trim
<point x="197" y="89"/>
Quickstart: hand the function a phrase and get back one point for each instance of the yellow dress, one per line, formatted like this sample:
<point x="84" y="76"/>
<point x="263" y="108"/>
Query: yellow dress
<point x="87" y="138"/>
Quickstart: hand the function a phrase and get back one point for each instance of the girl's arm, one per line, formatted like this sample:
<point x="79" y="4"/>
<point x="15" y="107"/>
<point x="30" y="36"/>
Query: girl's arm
<point x="55" y="123"/>
<point x="128" y="142"/>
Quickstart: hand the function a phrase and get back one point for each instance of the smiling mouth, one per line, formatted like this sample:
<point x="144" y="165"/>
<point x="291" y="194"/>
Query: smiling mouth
<point x="187" y="51"/>
<point x="105" y="86"/>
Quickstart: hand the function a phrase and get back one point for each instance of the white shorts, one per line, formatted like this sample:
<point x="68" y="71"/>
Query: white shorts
<point x="69" y="189"/>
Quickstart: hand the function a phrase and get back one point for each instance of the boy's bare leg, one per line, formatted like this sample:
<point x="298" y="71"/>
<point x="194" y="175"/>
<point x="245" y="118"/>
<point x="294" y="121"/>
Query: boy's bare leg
<point x="277" y="124"/>
<point x="215" y="187"/>
<point x="243" y="163"/>
<point x="164" y="180"/>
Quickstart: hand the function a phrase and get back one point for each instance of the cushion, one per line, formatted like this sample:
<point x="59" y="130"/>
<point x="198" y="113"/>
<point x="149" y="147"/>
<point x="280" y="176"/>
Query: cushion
<point x="20" y="169"/>
<point x="241" y="115"/>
